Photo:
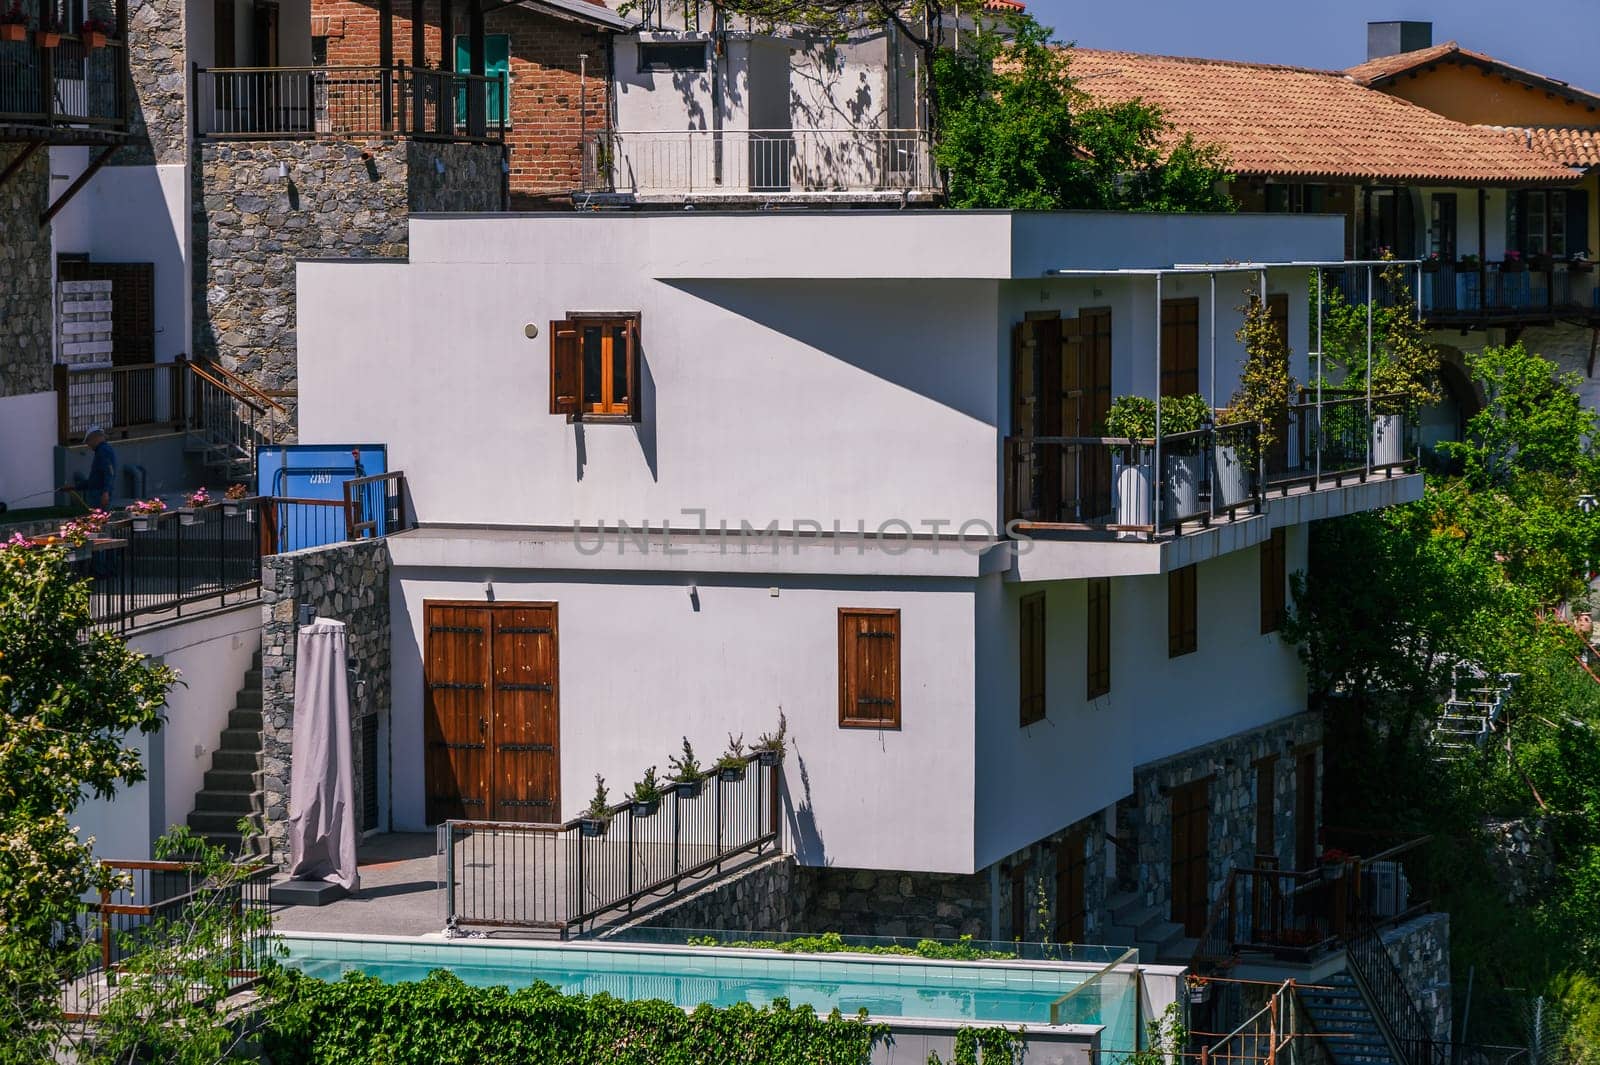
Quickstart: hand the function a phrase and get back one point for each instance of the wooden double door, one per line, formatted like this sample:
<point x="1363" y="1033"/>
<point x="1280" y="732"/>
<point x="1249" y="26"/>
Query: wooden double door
<point x="491" y="712"/>
<point x="1061" y="387"/>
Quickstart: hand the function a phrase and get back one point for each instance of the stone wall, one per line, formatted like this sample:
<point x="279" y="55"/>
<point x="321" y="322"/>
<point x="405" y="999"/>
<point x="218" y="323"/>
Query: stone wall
<point x="339" y="200"/>
<point x="1420" y="949"/>
<point x="26" y="307"/>
<point x="875" y="902"/>
<point x="346" y="582"/>
<point x="1522" y="857"/>
<point x="1231" y="766"/>
<point x="1038" y="868"/>
<point x="157" y="58"/>
<point x="764" y="897"/>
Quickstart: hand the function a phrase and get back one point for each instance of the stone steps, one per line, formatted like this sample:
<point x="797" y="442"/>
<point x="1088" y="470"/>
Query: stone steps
<point x="231" y="790"/>
<point x="1341" y="1016"/>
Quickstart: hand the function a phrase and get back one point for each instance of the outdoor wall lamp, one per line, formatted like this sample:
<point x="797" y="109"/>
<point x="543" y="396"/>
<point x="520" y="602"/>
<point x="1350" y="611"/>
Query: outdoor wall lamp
<point x="438" y="166"/>
<point x="308" y="613"/>
<point x="283" y="170"/>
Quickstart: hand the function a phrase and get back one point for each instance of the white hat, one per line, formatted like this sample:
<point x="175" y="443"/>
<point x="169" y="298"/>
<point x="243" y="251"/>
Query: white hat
<point x="92" y="430"/>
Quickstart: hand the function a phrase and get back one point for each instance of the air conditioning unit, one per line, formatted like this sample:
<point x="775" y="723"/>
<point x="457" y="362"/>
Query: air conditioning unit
<point x="1385" y="889"/>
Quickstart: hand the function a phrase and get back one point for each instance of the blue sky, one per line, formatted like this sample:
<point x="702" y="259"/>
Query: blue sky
<point x="1560" y="38"/>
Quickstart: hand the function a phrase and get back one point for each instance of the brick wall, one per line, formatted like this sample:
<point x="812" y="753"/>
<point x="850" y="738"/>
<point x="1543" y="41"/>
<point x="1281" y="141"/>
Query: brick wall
<point x="544" y="139"/>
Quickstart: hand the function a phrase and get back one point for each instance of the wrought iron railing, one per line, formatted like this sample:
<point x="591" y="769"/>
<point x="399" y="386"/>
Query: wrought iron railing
<point x="1280" y="1032"/>
<point x="149" y="908"/>
<point x="73" y="83"/>
<point x="758" y="161"/>
<point x="120" y="399"/>
<point x="564" y="876"/>
<point x="1469" y="292"/>
<point x="369" y="507"/>
<point x="282" y="103"/>
<point x="1369" y="963"/>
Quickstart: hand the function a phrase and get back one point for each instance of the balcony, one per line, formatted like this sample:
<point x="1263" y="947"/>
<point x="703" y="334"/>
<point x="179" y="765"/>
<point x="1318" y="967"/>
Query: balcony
<point x="811" y="165"/>
<point x="304" y="103"/>
<point x="1458" y="295"/>
<point x="1194" y="495"/>
<point x="62" y="88"/>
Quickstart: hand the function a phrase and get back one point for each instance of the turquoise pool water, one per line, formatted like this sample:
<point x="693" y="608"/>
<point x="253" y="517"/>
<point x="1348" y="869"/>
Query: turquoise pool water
<point x="885" y="987"/>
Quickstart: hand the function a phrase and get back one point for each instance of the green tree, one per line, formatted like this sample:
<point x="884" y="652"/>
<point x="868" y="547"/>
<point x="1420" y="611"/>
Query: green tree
<point x="68" y="699"/>
<point x="1015" y="132"/>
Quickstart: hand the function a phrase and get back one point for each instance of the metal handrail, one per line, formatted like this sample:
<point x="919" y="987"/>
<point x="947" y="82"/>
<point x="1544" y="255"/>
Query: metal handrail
<point x="242" y="384"/>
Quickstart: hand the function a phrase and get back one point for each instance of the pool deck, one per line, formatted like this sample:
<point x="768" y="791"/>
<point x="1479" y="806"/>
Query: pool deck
<point x="399" y="894"/>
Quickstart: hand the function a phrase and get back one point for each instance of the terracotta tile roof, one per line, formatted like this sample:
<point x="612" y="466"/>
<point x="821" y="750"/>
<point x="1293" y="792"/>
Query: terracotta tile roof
<point x="1382" y="71"/>
<point x="1003" y="5"/>
<point x="1295" y="122"/>
<point x="1577" y="146"/>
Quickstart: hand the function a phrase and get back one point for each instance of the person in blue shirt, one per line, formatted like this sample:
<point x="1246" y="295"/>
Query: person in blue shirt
<point x="96" y="488"/>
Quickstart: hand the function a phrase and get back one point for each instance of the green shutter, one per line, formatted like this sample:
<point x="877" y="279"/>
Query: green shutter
<point x="496" y="64"/>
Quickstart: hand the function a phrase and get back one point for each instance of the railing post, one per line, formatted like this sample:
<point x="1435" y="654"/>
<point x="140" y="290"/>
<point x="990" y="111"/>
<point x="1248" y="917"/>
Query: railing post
<point x="630" y="851"/>
<point x="448" y="831"/>
<point x="63" y="404"/>
<point x="718" y="797"/>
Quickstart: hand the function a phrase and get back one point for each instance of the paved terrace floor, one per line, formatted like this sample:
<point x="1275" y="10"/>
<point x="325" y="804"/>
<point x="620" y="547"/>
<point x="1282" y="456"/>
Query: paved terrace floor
<point x="400" y="893"/>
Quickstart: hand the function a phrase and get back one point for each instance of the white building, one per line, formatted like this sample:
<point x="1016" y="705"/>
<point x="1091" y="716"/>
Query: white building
<point x="964" y="703"/>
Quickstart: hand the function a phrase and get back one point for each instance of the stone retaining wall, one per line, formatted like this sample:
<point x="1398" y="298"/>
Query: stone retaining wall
<point x="346" y="582"/>
<point x="1421" y="951"/>
<point x="339" y="200"/>
<point x="26" y="306"/>
<point x="875" y="902"/>
<point x="765" y="897"/>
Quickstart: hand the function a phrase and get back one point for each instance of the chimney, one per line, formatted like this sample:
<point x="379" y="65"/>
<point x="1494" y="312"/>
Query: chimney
<point x="1392" y="38"/>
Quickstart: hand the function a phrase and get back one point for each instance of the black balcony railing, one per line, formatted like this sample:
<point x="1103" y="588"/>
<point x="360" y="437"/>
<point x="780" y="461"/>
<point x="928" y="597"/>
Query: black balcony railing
<point x="1464" y="294"/>
<point x="68" y="87"/>
<point x="289" y="103"/>
<point x="563" y="876"/>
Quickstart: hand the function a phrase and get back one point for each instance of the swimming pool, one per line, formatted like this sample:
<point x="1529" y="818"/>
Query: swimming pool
<point x="885" y="986"/>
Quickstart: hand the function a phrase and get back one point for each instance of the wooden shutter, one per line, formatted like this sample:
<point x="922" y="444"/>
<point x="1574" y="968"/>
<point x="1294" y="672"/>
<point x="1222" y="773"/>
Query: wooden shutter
<point x="869" y="668"/>
<point x="1266" y="806"/>
<point x="1099" y="628"/>
<point x="1180" y="347"/>
<point x="566" y="368"/>
<point x="1578" y="225"/>
<point x="1182" y="635"/>
<point x="1023" y="351"/>
<point x="1273" y="580"/>
<point x="635" y="400"/>
<point x="1031" y="666"/>
<point x="1071" y="900"/>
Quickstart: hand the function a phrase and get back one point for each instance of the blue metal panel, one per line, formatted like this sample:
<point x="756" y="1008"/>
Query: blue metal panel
<point x="319" y="471"/>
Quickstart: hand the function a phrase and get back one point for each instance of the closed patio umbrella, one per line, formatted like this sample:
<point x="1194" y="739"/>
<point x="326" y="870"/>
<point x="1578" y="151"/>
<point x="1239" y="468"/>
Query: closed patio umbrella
<point x="322" y="820"/>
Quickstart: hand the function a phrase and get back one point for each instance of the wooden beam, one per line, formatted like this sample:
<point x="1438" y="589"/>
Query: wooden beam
<point x="73" y="189"/>
<point x="419" y="61"/>
<point x="477" y="98"/>
<point x="447" y="37"/>
<point x="386" y="59"/>
<point x="16" y="164"/>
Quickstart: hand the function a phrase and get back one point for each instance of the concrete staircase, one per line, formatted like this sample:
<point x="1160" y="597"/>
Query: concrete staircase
<point x="1350" y="1033"/>
<point x="232" y="786"/>
<point x="1159" y="939"/>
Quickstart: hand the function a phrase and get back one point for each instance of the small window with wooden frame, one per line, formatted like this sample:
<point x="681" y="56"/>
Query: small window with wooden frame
<point x="1274" y="579"/>
<point x="869" y="668"/>
<point x="1182" y="612"/>
<point x="1032" y="659"/>
<point x="1099" y="637"/>
<point x="594" y="366"/>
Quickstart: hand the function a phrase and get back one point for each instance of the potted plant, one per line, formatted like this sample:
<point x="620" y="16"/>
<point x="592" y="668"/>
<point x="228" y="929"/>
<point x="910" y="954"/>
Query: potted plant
<point x="1199" y="990"/>
<point x="598" y="813"/>
<point x="1431" y="264"/>
<point x="1514" y="263"/>
<point x="1182" y="466"/>
<point x="1131" y="419"/>
<point x="94" y="32"/>
<point x="647" y="794"/>
<point x="1468" y="261"/>
<point x="687" y="773"/>
<point x="731" y="766"/>
<point x="14" y="23"/>
<point x="1333" y="862"/>
<point x="1260" y="400"/>
<point x="1405" y="373"/>
<point x="771" y="745"/>
<point x="1580" y="263"/>
<point x="144" y="512"/>
<point x="195" y="501"/>
<point x="48" y="35"/>
<point x="233" y="499"/>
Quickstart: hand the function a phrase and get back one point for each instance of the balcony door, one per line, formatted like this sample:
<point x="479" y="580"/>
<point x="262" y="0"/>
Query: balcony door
<point x="1061" y="387"/>
<point x="1191" y="856"/>
<point x="1442" y="226"/>
<point x="491" y="718"/>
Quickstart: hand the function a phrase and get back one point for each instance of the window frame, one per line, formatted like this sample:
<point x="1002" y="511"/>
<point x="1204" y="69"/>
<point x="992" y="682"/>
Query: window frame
<point x="850" y="684"/>
<point x="665" y="66"/>
<point x="1183" y="611"/>
<point x="1097" y="631"/>
<point x="1178" y="316"/>
<point x="463" y="43"/>
<point x="609" y="409"/>
<point x="1274" y="583"/>
<point x="1032" y="660"/>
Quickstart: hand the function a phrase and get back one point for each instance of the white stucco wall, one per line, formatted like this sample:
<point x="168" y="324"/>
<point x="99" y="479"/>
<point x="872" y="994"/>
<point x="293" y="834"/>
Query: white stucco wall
<point x="132" y="214"/>
<point x="211" y="655"/>
<point x="1032" y="781"/>
<point x="27" y="449"/>
<point x="641" y="667"/>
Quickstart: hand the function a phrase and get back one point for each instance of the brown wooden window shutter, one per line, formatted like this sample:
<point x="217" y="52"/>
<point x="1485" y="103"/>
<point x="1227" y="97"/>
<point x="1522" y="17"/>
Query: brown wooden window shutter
<point x="1099" y="629"/>
<point x="869" y="668"/>
<point x="1180" y="347"/>
<point x="1266" y="807"/>
<point x="1031" y="666"/>
<point x="635" y="405"/>
<point x="1182" y="611"/>
<point x="566" y="368"/>
<point x="1274" y="564"/>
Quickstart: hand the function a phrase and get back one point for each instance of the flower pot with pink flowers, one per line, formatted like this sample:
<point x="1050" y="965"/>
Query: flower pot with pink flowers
<point x="144" y="513"/>
<point x="194" y="503"/>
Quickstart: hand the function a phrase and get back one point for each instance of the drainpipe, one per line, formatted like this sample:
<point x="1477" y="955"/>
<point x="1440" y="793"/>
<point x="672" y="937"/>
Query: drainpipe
<point x="583" y="117"/>
<point x="1155" y="473"/>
